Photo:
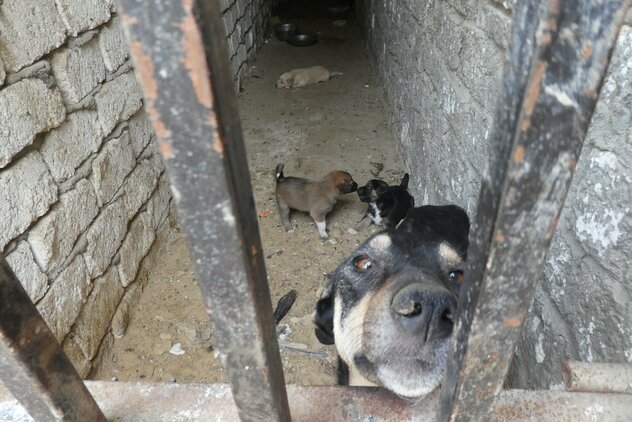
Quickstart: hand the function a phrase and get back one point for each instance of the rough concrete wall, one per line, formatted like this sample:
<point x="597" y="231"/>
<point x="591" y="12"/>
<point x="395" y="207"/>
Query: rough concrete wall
<point x="441" y="64"/>
<point x="246" y="23"/>
<point x="81" y="186"/>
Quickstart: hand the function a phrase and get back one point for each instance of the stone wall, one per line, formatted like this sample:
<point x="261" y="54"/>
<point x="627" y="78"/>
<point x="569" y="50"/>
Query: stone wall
<point x="246" y="23"/>
<point x="82" y="189"/>
<point x="441" y="65"/>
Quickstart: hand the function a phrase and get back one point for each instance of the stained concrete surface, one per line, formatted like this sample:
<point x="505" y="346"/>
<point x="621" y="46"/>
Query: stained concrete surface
<point x="339" y="124"/>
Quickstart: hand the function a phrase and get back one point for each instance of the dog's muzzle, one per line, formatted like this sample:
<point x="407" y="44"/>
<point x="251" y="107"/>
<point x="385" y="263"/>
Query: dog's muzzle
<point x="349" y="187"/>
<point x="364" y="193"/>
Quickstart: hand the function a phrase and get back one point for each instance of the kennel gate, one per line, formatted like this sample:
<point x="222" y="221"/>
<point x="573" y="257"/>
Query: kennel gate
<point x="556" y="64"/>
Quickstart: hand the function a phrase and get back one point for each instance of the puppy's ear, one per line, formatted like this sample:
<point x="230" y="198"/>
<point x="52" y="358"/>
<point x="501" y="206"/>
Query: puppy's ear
<point x="324" y="317"/>
<point x="404" y="182"/>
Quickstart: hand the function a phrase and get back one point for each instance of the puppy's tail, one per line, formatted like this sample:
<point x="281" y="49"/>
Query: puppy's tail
<point x="332" y="74"/>
<point x="404" y="182"/>
<point x="279" y="172"/>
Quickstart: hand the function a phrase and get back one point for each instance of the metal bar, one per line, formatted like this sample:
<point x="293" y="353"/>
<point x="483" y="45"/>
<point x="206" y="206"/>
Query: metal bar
<point x="140" y="402"/>
<point x="597" y="377"/>
<point x="558" y="58"/>
<point x="191" y="100"/>
<point x="32" y="364"/>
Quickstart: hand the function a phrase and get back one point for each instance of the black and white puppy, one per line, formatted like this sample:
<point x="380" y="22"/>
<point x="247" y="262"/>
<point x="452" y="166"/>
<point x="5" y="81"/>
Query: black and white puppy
<point x="389" y="307"/>
<point x="388" y="205"/>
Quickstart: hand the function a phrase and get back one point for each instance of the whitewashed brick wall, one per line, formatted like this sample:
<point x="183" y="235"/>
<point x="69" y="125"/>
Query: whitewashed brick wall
<point x="82" y="189"/>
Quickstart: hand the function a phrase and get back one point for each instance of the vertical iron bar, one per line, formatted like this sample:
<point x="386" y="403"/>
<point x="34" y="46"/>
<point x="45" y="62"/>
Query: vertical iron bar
<point x="180" y="55"/>
<point x="32" y="364"/>
<point x="559" y="55"/>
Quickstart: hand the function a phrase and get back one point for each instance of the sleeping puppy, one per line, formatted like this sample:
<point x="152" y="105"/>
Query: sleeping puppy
<point x="388" y="205"/>
<point x="297" y="78"/>
<point x="389" y="307"/>
<point x="315" y="197"/>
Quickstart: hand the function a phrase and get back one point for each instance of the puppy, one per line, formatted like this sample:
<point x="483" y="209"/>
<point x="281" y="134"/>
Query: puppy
<point x="388" y="205"/>
<point x="389" y="307"/>
<point x="297" y="78"/>
<point x="315" y="197"/>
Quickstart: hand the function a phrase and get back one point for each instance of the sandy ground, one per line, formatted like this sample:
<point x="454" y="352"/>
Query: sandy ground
<point x="337" y="124"/>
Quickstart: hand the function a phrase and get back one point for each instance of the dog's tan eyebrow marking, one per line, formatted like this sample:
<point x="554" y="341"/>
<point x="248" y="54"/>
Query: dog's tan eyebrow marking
<point x="381" y="242"/>
<point x="448" y="255"/>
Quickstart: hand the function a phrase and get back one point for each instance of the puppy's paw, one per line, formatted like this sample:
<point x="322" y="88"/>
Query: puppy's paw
<point x="351" y="230"/>
<point x="332" y="240"/>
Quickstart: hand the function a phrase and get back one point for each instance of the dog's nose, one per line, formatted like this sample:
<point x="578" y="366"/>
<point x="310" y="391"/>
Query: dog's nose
<point x="424" y="310"/>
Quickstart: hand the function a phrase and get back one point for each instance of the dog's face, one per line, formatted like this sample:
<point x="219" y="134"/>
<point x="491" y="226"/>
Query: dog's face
<point x="343" y="181"/>
<point x="389" y="307"/>
<point x="286" y="80"/>
<point x="372" y="190"/>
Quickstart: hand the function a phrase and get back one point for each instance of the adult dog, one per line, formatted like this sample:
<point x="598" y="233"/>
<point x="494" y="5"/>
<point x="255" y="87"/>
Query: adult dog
<point x="389" y="307"/>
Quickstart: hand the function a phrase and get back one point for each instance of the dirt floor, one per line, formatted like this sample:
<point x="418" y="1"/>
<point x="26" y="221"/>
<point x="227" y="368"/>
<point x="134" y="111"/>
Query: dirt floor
<point x="339" y="124"/>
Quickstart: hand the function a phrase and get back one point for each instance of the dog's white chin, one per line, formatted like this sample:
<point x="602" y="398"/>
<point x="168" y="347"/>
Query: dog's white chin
<point x="416" y="382"/>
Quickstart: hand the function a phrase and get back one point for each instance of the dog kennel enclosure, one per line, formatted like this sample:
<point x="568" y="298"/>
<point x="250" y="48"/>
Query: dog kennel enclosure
<point x="557" y="60"/>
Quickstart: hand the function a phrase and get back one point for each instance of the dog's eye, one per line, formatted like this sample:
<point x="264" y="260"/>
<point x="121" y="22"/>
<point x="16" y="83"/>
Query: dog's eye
<point x="457" y="276"/>
<point x="363" y="263"/>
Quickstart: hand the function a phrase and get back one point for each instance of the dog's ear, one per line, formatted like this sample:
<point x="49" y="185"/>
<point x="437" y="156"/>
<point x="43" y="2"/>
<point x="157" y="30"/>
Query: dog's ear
<point x="324" y="317"/>
<point x="404" y="182"/>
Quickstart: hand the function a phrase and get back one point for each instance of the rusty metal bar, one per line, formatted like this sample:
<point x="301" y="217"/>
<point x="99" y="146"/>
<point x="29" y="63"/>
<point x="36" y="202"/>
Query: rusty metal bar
<point x="33" y="366"/>
<point x="597" y="377"/>
<point x="180" y="55"/>
<point x="558" y="58"/>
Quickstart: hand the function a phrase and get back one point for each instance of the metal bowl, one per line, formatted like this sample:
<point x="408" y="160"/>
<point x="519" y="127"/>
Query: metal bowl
<point x="284" y="30"/>
<point x="302" y="40"/>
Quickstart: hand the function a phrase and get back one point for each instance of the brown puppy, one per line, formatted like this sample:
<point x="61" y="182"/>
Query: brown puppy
<point x="315" y="197"/>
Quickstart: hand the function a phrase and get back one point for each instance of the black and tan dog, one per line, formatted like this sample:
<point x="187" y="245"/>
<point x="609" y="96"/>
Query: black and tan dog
<point x="388" y="205"/>
<point x="389" y="307"/>
<point x="314" y="197"/>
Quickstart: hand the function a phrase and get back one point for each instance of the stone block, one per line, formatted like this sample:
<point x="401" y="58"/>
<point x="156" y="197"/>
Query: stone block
<point x="140" y="184"/>
<point x="63" y="301"/>
<point x="3" y="73"/>
<point x="28" y="30"/>
<point x="76" y="357"/>
<point x="26" y="109"/>
<point x="82" y="15"/>
<point x="104" y="237"/>
<point x="94" y="319"/>
<point x="140" y="132"/>
<point x="78" y="70"/>
<point x="113" y="45"/>
<point x="67" y="147"/>
<point x="121" y="317"/>
<point x="27" y="271"/>
<point x="110" y="168"/>
<point x="135" y="246"/>
<point x="27" y="191"/>
<point x="117" y="101"/>
<point x="158" y="206"/>
<point x="53" y="237"/>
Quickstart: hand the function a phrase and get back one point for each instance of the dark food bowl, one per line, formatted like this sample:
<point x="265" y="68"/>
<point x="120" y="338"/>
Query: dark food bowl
<point x="302" y="40"/>
<point x="284" y="30"/>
